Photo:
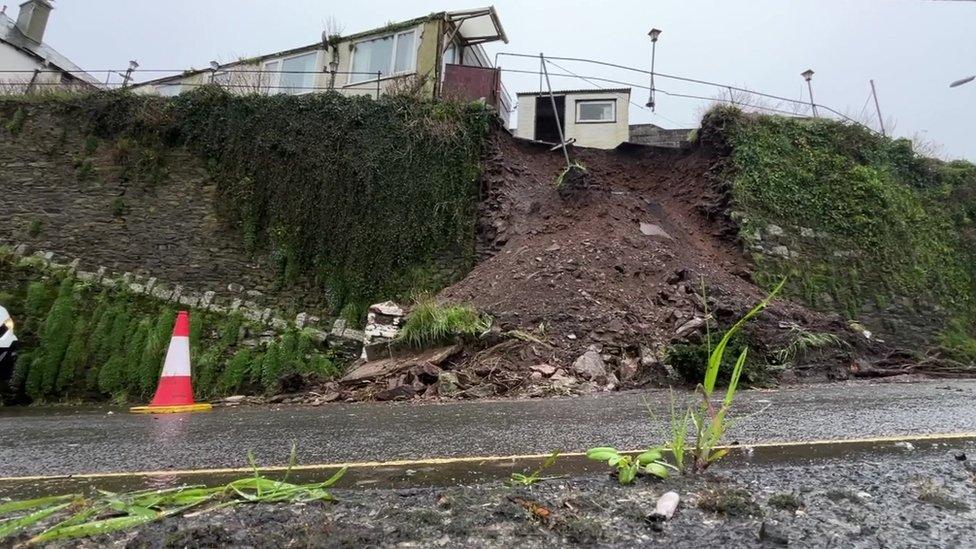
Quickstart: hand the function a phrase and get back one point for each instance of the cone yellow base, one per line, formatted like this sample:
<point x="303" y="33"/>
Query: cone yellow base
<point x="181" y="409"/>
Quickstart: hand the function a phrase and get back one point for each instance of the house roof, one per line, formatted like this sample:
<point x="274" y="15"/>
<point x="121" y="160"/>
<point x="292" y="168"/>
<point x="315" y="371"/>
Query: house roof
<point x="474" y="26"/>
<point x="10" y="34"/>
<point x="579" y="91"/>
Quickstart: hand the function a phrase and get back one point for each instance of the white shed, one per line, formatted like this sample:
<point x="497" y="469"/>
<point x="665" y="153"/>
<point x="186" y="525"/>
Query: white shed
<point x="589" y="118"/>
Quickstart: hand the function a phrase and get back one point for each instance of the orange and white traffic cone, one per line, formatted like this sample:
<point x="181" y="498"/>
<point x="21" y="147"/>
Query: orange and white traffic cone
<point x="174" y="394"/>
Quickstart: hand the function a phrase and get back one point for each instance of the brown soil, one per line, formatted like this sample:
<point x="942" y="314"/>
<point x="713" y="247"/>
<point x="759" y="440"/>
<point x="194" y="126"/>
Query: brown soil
<point x="616" y="264"/>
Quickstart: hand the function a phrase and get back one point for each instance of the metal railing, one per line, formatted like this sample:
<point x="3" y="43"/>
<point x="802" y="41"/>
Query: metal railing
<point x="736" y="95"/>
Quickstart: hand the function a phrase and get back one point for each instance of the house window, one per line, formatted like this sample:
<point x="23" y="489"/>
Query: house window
<point x="394" y="54"/>
<point x="269" y="77"/>
<point x="298" y="74"/>
<point x="222" y="78"/>
<point x="596" y="110"/>
<point x="450" y="54"/>
<point x="169" y="90"/>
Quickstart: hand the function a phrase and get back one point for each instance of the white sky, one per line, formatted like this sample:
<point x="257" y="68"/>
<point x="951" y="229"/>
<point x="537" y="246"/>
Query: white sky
<point x="912" y="49"/>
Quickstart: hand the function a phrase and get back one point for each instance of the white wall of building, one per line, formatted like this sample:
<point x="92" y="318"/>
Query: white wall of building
<point x="598" y="135"/>
<point x="12" y="59"/>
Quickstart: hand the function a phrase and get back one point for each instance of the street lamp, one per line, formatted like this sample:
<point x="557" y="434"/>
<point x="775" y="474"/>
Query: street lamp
<point x="808" y="75"/>
<point x="133" y="65"/>
<point x="654" y="35"/>
<point x="962" y="81"/>
<point x="213" y="70"/>
<point x="333" y="69"/>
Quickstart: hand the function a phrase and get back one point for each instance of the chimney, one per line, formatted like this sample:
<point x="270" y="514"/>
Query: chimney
<point x="32" y="19"/>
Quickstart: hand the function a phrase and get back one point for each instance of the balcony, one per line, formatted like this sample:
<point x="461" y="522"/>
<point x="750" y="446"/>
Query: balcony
<point x="467" y="83"/>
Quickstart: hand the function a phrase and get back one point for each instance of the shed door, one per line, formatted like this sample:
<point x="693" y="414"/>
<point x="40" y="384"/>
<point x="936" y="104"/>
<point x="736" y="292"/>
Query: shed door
<point x="545" y="119"/>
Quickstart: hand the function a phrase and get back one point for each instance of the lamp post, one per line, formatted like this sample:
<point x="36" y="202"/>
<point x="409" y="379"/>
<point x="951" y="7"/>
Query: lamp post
<point x="333" y="69"/>
<point x="962" y="81"/>
<point x="213" y="70"/>
<point x="133" y="65"/>
<point x="808" y="75"/>
<point x="654" y="34"/>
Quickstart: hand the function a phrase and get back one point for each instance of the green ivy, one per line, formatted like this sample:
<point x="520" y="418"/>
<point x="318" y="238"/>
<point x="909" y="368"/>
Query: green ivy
<point x="882" y="222"/>
<point x="351" y="192"/>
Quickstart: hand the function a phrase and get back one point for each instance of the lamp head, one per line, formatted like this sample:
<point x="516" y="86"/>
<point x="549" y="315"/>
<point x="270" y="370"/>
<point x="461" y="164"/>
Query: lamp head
<point x="807" y="74"/>
<point x="654" y="34"/>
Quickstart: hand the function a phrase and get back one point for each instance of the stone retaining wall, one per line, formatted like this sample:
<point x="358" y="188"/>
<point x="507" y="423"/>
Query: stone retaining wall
<point x="234" y="299"/>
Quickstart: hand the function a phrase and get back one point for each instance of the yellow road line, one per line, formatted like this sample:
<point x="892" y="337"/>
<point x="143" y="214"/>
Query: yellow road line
<point x="474" y="459"/>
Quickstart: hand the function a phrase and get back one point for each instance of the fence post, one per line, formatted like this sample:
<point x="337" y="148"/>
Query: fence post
<point x="559" y="123"/>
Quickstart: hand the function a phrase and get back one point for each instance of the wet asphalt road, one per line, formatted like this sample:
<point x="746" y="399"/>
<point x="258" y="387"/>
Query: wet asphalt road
<point x="75" y="440"/>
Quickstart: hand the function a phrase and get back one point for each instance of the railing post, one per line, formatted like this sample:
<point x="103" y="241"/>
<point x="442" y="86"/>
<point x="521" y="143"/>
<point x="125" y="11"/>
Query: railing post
<point x="555" y="114"/>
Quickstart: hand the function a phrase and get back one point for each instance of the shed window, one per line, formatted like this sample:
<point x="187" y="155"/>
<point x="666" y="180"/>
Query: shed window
<point x="393" y="54"/>
<point x="601" y="110"/>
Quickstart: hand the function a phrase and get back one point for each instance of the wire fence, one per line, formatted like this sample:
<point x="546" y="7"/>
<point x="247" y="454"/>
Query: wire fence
<point x="261" y="80"/>
<point x="738" y="96"/>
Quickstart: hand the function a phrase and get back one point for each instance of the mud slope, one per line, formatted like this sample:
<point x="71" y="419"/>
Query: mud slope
<point x="620" y="263"/>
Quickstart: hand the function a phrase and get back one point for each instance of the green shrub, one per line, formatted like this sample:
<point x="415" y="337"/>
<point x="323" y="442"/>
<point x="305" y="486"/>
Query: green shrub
<point x="55" y="337"/>
<point x="86" y="169"/>
<point x="91" y="145"/>
<point x="34" y="230"/>
<point x="118" y="207"/>
<point x="16" y="124"/>
<point x="430" y="324"/>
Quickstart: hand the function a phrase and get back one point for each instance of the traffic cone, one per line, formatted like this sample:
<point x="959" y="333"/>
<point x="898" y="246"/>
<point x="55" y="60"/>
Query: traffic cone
<point x="174" y="394"/>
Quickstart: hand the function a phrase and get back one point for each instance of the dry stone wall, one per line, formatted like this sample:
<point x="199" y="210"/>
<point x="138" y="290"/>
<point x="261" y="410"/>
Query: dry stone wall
<point x="65" y="192"/>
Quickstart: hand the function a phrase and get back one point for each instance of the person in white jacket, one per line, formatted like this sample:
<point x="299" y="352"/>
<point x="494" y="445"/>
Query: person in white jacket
<point x="8" y="346"/>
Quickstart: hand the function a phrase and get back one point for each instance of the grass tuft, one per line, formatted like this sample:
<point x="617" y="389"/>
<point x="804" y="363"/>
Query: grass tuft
<point x="430" y="324"/>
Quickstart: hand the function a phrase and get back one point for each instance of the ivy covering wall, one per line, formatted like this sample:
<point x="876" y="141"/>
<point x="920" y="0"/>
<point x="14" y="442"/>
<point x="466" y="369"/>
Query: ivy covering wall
<point x="371" y="199"/>
<point x="84" y="342"/>
<point x="864" y="219"/>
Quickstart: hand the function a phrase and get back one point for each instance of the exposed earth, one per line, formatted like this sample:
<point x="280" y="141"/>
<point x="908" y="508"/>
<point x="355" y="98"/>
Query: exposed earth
<point x="614" y="270"/>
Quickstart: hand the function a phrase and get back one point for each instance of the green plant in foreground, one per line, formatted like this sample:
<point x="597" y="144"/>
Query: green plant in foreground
<point x="628" y="466"/>
<point x="111" y="512"/>
<point x="520" y="479"/>
<point x="710" y="422"/>
<point x="708" y="419"/>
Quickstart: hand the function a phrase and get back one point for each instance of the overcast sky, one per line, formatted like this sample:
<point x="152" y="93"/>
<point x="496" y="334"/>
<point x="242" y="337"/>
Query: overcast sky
<point x="912" y="49"/>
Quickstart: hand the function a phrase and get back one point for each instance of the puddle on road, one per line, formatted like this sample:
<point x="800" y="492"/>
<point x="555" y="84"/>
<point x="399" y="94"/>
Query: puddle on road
<point x="467" y="472"/>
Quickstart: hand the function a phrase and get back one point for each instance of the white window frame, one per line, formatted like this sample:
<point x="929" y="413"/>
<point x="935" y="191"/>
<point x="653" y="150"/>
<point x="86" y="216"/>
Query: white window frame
<point x="353" y="78"/>
<point x="273" y="86"/>
<point x="613" y="110"/>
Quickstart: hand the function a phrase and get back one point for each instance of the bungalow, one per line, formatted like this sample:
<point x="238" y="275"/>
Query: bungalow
<point x="26" y="62"/>
<point x="438" y="55"/>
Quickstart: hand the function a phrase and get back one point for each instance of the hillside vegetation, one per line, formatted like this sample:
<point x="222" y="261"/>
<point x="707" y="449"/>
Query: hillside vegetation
<point x="84" y="341"/>
<point x="860" y="223"/>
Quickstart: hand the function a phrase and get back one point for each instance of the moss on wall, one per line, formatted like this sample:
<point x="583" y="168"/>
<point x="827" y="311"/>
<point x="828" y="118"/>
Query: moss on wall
<point x="352" y="192"/>
<point x="82" y="341"/>
<point x="856" y="220"/>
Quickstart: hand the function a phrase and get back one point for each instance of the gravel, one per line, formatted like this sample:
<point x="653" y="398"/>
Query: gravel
<point x="911" y="499"/>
